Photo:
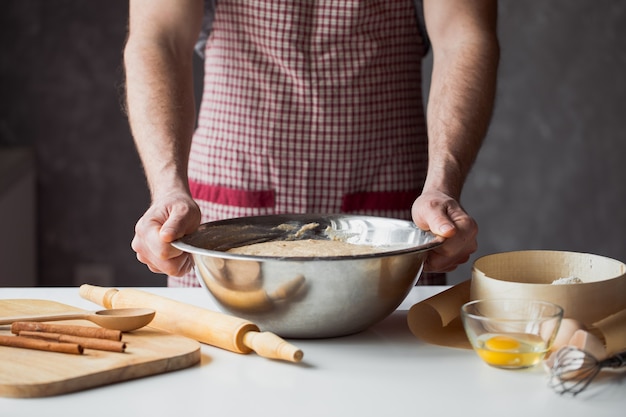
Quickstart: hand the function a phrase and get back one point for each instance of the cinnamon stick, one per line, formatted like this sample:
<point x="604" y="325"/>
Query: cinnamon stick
<point x="85" y="342"/>
<point x="38" y="344"/>
<point x="69" y="329"/>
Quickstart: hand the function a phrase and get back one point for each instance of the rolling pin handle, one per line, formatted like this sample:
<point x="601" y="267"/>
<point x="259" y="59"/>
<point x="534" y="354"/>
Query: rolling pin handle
<point x="99" y="295"/>
<point x="271" y="346"/>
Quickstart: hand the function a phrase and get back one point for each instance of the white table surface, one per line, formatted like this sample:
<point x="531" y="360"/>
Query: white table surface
<point x="384" y="371"/>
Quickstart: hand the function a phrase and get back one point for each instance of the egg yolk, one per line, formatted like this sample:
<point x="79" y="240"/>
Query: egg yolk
<point x="502" y="343"/>
<point x="508" y="351"/>
<point x="502" y="351"/>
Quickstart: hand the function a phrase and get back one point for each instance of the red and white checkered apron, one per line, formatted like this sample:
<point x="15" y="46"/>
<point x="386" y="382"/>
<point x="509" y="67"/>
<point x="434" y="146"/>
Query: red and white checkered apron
<point x="310" y="107"/>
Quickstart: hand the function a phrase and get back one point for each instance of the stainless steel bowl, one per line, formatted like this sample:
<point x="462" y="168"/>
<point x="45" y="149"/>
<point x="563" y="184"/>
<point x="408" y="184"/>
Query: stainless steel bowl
<point x="310" y="297"/>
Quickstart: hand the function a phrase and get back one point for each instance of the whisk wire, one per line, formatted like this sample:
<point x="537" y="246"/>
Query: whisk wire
<point x="573" y="369"/>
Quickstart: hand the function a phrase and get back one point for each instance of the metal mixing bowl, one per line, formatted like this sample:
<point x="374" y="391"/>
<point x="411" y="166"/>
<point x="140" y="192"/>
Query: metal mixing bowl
<point x="310" y="297"/>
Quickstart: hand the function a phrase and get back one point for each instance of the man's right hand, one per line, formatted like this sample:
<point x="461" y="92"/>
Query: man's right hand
<point x="168" y="219"/>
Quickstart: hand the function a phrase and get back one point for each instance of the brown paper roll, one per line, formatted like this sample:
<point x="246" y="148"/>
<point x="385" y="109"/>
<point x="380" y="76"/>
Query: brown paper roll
<point x="613" y="329"/>
<point x="437" y="320"/>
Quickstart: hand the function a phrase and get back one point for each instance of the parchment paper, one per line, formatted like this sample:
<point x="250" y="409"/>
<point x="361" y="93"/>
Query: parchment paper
<point x="437" y="320"/>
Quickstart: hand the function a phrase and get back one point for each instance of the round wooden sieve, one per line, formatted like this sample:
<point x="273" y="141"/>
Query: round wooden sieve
<point x="530" y="275"/>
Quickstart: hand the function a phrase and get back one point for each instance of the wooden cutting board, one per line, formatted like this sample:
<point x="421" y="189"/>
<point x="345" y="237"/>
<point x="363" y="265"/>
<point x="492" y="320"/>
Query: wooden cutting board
<point x="33" y="373"/>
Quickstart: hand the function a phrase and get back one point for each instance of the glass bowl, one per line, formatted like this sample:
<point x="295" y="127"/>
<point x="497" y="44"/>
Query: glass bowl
<point x="511" y="333"/>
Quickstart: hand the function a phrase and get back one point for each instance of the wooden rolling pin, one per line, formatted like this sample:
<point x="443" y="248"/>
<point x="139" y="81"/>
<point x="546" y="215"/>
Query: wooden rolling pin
<point x="206" y="326"/>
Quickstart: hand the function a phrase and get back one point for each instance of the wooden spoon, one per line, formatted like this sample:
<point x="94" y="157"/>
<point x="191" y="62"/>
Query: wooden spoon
<point x="124" y="319"/>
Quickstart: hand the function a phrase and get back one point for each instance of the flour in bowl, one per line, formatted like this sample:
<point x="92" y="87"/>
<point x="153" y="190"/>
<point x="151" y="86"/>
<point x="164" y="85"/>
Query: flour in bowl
<point x="567" y="281"/>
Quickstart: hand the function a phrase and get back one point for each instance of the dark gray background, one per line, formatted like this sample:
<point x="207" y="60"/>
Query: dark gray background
<point x="550" y="175"/>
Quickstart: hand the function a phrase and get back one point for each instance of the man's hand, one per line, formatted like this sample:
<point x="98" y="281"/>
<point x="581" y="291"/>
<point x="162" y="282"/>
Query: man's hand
<point x="444" y="216"/>
<point x="166" y="220"/>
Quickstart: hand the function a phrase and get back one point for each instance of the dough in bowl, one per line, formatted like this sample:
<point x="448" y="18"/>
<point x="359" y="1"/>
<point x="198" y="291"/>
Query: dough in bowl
<point x="305" y="248"/>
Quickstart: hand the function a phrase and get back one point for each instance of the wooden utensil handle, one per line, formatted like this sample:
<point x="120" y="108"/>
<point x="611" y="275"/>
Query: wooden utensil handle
<point x="269" y="345"/>
<point x="42" y="317"/>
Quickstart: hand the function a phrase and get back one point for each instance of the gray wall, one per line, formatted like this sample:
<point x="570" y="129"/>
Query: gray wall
<point x="550" y="175"/>
<point x="60" y="76"/>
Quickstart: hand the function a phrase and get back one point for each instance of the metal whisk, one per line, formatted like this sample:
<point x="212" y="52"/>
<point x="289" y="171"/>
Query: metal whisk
<point x="573" y="369"/>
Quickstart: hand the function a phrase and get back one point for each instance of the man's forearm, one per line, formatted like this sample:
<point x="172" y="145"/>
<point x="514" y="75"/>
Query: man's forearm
<point x="159" y="86"/>
<point x="459" y="111"/>
<point x="161" y="112"/>
<point x="461" y="99"/>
